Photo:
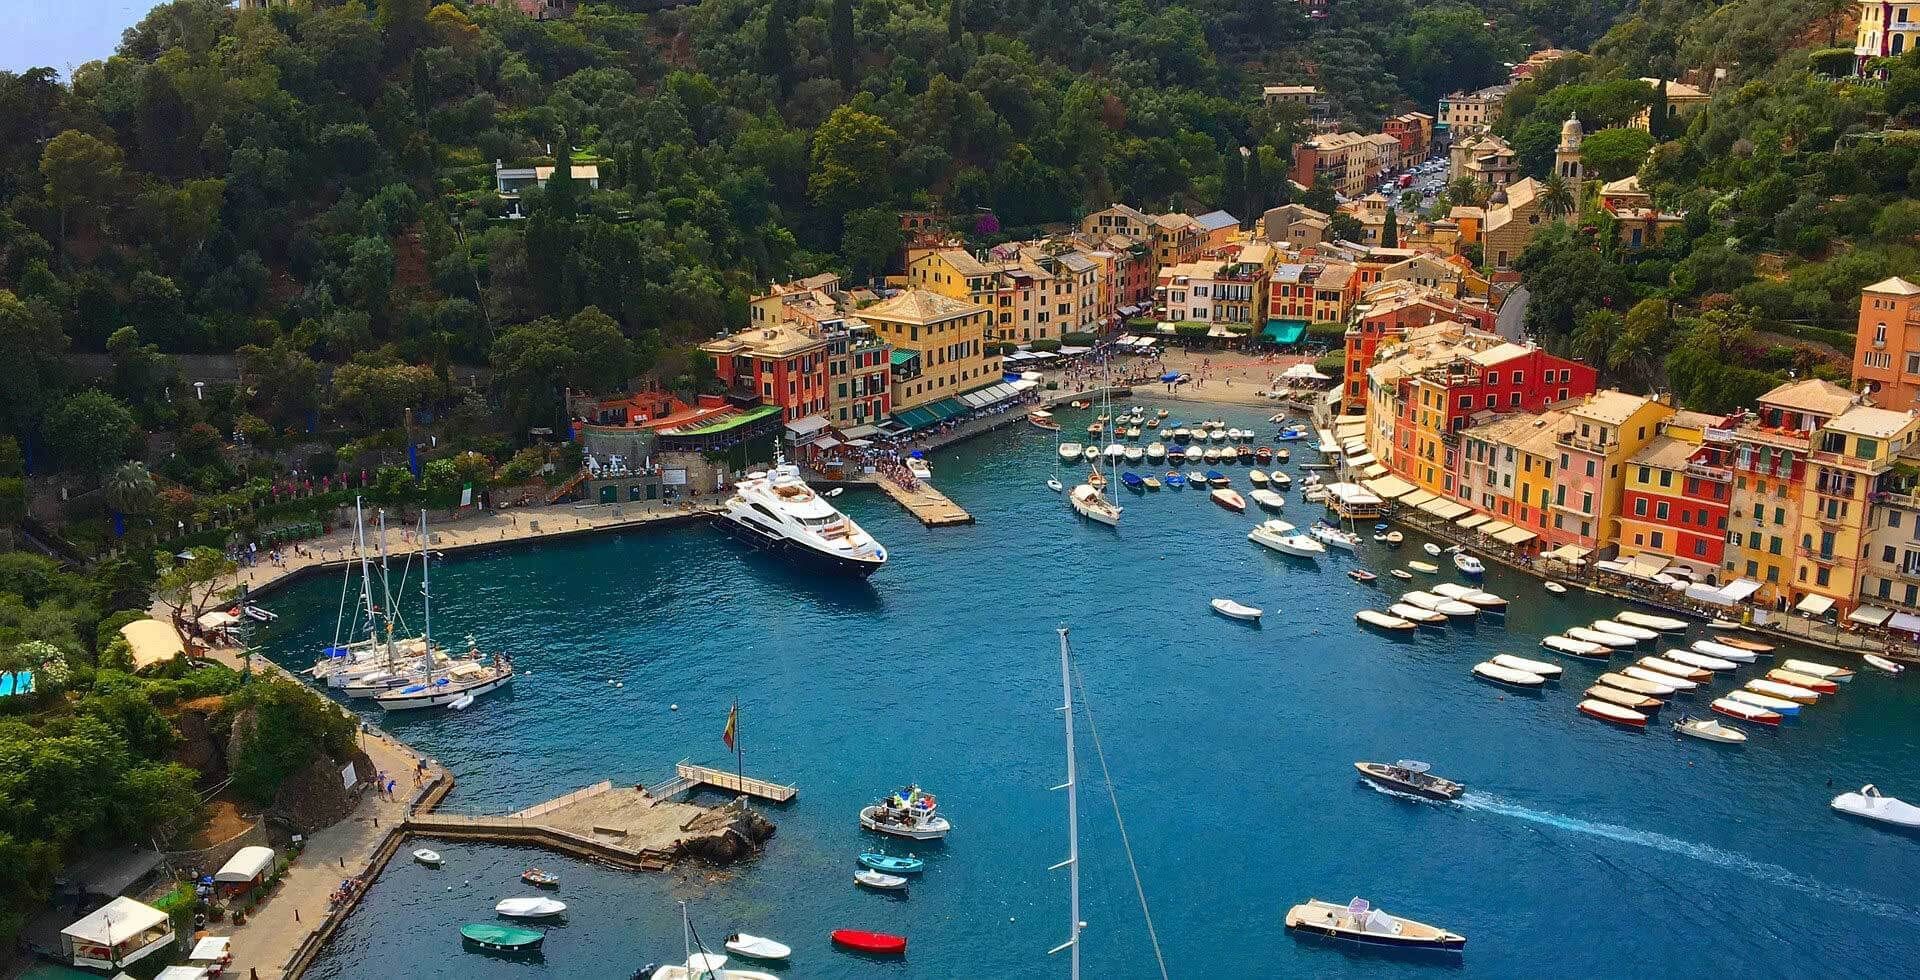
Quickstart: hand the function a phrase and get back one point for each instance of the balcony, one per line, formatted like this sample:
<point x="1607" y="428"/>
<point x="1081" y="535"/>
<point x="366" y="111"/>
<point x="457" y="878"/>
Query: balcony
<point x="1718" y="474"/>
<point x="1717" y="435"/>
<point x="1586" y="445"/>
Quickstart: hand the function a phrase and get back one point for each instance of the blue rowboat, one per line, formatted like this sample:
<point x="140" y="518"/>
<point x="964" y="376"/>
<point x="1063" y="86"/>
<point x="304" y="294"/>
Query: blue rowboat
<point x="1132" y="481"/>
<point x="891" y="864"/>
<point x="1176" y="481"/>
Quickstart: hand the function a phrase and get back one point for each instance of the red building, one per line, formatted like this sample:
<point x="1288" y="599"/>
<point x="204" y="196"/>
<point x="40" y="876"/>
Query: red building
<point x="1677" y="493"/>
<point x="1513" y="378"/>
<point x="783" y="364"/>
<point x="1379" y="320"/>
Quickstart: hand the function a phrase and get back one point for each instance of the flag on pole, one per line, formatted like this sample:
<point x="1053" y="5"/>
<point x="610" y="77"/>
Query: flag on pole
<point x="733" y="725"/>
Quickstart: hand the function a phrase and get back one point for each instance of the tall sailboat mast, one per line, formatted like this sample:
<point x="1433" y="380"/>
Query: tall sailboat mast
<point x="426" y="594"/>
<point x="1072" y="863"/>
<point x="386" y="590"/>
<point x="366" y="570"/>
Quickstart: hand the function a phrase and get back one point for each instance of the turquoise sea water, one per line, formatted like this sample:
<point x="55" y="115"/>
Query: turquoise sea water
<point x="1582" y="849"/>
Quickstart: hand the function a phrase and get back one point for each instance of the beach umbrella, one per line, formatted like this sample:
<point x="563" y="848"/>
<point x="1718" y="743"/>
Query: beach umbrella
<point x="918" y="454"/>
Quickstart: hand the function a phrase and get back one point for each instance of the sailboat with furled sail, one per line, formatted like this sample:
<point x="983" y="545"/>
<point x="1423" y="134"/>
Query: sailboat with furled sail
<point x="1088" y="499"/>
<point x="459" y="684"/>
<point x="352" y="662"/>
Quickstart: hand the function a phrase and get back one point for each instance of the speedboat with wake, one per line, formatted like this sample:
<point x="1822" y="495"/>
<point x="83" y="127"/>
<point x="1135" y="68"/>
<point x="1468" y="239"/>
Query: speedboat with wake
<point x="1408" y="776"/>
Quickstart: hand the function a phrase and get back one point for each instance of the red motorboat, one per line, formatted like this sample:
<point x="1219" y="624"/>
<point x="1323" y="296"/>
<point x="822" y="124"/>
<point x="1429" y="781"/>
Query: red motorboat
<point x="871" y="942"/>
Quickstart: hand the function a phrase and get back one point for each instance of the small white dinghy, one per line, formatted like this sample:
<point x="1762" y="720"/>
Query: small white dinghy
<point x="1710" y="730"/>
<point x="1401" y="574"/>
<point x="1234" y="610"/>
<point x="1869" y="804"/>
<point x="530" y="908"/>
<point x="1541" y="667"/>
<point x="1673" y="669"/>
<point x="878" y="881"/>
<point x="757" y="947"/>
<point x="1472" y="596"/>
<point x="1555" y="588"/>
<point x="429" y="858"/>
<point x="1745" y="711"/>
<point x="1488" y="670"/>
<point x="1668" y="681"/>
<point x="1431" y="549"/>
<point x="461" y="703"/>
<point x="1054" y="484"/>
<point x="1604" y="711"/>
<point x="1883" y="663"/>
<point x="1575" y="648"/>
<point x="1382" y="620"/>
<point x="1724" y="652"/>
<point x="1798" y="695"/>
<point x="1450" y="607"/>
<point x="1268" y="499"/>
<point x="1424" y="567"/>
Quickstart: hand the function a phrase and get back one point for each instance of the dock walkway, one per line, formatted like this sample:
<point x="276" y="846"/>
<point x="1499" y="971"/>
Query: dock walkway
<point x="932" y="507"/>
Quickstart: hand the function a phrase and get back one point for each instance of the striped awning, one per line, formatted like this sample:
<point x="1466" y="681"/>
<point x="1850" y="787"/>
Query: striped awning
<point x="1415" y="497"/>
<point x="1473" y="520"/>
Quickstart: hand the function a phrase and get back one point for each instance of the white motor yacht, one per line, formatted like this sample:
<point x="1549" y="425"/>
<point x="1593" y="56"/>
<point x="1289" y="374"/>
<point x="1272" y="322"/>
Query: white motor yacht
<point x="1281" y="536"/>
<point x="779" y="512"/>
<point x="1869" y="804"/>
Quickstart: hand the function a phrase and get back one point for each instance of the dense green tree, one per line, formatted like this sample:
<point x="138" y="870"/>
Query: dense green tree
<point x="1615" y="153"/>
<point x="91" y="431"/>
<point x="853" y="155"/>
<point x="843" y="45"/>
<point x="537" y="360"/>
<point x="1390" y="229"/>
<point x="871" y="239"/>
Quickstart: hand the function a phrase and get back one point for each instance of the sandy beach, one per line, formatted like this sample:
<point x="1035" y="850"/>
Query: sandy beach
<point x="1219" y="377"/>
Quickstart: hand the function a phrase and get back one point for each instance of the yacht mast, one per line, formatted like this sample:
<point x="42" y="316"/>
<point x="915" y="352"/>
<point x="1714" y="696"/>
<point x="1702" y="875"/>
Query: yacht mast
<point x="366" y="570"/>
<point x="426" y="593"/>
<point x="386" y="589"/>
<point x="1072" y="863"/>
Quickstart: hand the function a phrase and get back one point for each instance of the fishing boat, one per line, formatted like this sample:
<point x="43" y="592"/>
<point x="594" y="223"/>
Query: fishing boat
<point x="1408" y="776"/>
<point x="1281" y="536"/>
<point x="1314" y="495"/>
<point x="1095" y="478"/>
<point x="1485" y="601"/>
<point x="918" y="467"/>
<point x="1425" y="617"/>
<point x="1234" y="610"/>
<point x="1745" y="644"/>
<point x="1424" y="567"/>
<point x="1604" y="639"/>
<point x="1245" y="454"/>
<point x="892" y="864"/>
<point x="1871" y="804"/>
<point x="1381" y="620"/>
<point x="1576" y="648"/>
<point x="1133" y="481"/>
<point x="502" y="938"/>
<point x="1081" y="403"/>
<point x="700" y="964"/>
<point x="1043" y="420"/>
<point x="1555" y="588"/>
<point x="1724" y="652"/>
<point x="1090" y="503"/>
<point x="1440" y="604"/>
<point x="757" y="947"/>
<point x="1357" y="922"/>
<point x="1613" y="713"/>
<point x="1401" y="574"/>
<point x="1883" y="663"/>
<point x="1177" y="455"/>
<point x="1626" y="682"/>
<point x="1268" y="499"/>
<point x="1547" y="670"/>
<point x="1162" y="413"/>
<point x="1391" y="539"/>
<point x="1290" y="435"/>
<point x="1219" y="479"/>
<point x="1508" y="676"/>
<point x="1210" y="456"/>
<point x="1175" y="480"/>
<point x="1665" y="624"/>
<point x="1361" y="575"/>
<point x="428" y="857"/>
<point x="1282" y="455"/>
<point x="1054" y="484"/>
<point x="1133" y="432"/>
<point x="1257" y="477"/>
<point x="879" y="882"/>
<point x="1196" y="478"/>
<point x="1709" y="730"/>
<point x="1431" y="549"/>
<point x="1135" y="456"/>
<point x="1816" y="669"/>
<point x="1091" y="453"/>
<point x="1468" y="565"/>
<point x="1674" y="669"/>
<point x="1818" y="685"/>
<point x="871" y="942"/>
<point x="1333" y="537"/>
<point x="1790" y="709"/>
<point x="1798" y="695"/>
<point x="909" y="813"/>
<point x="1229" y="499"/>
<point x="530" y="908"/>
<point x="1625" y="699"/>
<point x="540" y="879"/>
<point x="1745" y="712"/>
<point x="1153" y="483"/>
<point x="1279" y="480"/>
<point x="1638" y="634"/>
<point x="1263" y="455"/>
<point x="1699" y="660"/>
<point x="1156" y="452"/>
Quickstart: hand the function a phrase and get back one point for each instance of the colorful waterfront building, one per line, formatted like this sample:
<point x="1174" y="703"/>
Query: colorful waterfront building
<point x="1600" y="434"/>
<point x="1383" y="316"/>
<point x="1674" y="499"/>
<point x="1847" y="469"/>
<point x="1886" y="343"/>
<point x="1769" y="461"/>
<point x="1890" y="585"/>
<point x="782" y="364"/>
<point x="939" y="346"/>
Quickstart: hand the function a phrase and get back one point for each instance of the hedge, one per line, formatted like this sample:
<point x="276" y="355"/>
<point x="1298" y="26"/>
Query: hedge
<point x="1046" y="344"/>
<point x="1079" y="338"/>
<point x="1834" y="62"/>
<point x="1327" y="331"/>
<point x="1191" y="328"/>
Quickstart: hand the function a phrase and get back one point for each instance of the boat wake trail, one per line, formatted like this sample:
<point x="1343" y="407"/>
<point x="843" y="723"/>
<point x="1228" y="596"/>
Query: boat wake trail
<point x="1705" y="853"/>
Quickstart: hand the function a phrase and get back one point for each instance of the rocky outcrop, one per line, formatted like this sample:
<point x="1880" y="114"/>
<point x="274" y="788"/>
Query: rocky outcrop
<point x="196" y="747"/>
<point x="725" y="834"/>
<point x="316" y="796"/>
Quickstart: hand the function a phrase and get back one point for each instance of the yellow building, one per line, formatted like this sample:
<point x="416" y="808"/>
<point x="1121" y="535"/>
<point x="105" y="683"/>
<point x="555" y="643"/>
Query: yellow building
<point x="1851" y="455"/>
<point x="939" y="346"/>
<point x="1538" y="452"/>
<point x="1769" y="457"/>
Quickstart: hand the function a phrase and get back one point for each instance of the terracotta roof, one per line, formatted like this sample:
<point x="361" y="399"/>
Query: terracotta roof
<point x="777" y="340"/>
<point x="1894" y="285"/>
<point x="1665" y="452"/>
<point x="920" y="306"/>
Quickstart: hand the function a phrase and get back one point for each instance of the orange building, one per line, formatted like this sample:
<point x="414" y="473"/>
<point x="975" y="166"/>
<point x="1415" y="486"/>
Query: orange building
<point x="1886" y="344"/>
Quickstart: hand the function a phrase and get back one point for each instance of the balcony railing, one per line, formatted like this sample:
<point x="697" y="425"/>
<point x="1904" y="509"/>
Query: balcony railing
<point x="1718" y="474"/>
<point x="1585" y="444"/>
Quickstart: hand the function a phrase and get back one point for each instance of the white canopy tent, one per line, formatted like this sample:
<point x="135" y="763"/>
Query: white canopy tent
<point x="117" y="934"/>
<point x="247" y="864"/>
<point x="1814" y="605"/>
<point x="1870" y="615"/>
<point x="1303" y="371"/>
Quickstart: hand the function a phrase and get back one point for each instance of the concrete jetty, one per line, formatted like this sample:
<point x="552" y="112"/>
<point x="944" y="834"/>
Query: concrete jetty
<point x="930" y="506"/>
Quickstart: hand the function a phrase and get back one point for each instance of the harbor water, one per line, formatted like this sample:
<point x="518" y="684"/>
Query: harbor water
<point x="1581" y="849"/>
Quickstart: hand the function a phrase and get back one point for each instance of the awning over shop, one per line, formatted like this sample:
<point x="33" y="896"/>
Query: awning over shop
<point x="1475" y="520"/>
<point x="1024" y="384"/>
<point x="1514" y="535"/>
<point x="1494" y="527"/>
<point x="1303" y="372"/>
<point x="1645" y="564"/>
<point x="246" y="864"/>
<point x="860" y="432"/>
<point x="1814" y="605"/>
<point x="1353" y="447"/>
<point x="1390" y="487"/>
<point x="1870" y="615"/>
<point x="1371" y="472"/>
<point x="916" y="418"/>
<point x="1363" y="459"/>
<point x="1219" y="331"/>
<point x="1415" y="497"/>
<point x="1446" y="510"/>
<point x="1904" y="621"/>
<point x="1740" y="589"/>
<point x="1284" y="331"/>
<point x="1073" y="351"/>
<point x="1348" y="428"/>
<point x="903" y="357"/>
<point x="1331" y="398"/>
<point x="799" y="430"/>
<point x="827" y="442"/>
<point x="1568" y="553"/>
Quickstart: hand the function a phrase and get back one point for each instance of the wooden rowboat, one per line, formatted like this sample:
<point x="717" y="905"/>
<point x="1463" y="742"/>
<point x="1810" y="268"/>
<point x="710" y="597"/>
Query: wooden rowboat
<point x="1613" y="713"/>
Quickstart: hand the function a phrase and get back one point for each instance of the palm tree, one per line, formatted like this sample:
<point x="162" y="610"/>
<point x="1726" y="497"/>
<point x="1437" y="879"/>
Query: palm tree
<point x="1556" y="197"/>
<point x="129" y="490"/>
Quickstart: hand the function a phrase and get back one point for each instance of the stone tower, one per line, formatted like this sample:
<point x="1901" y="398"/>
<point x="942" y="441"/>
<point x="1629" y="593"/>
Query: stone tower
<point x="1566" y="157"/>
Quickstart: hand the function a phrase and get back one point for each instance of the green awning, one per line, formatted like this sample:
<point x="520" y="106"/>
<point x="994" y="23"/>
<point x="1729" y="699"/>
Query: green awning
<point x="946" y="408"/>
<point x="914" y="418"/>
<point x="904" y="356"/>
<point x="1284" y="331"/>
